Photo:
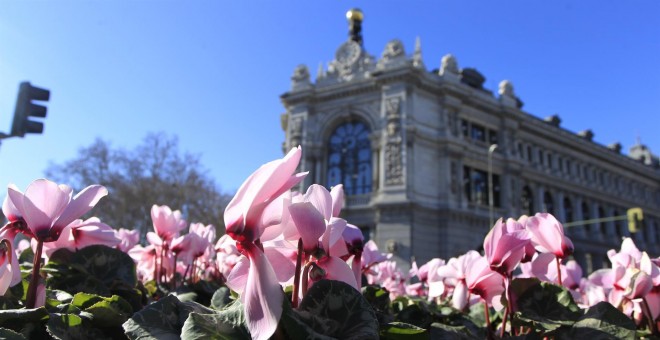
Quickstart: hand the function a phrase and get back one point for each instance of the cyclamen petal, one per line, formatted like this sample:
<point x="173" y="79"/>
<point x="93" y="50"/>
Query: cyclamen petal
<point x="8" y="259"/>
<point x="333" y="233"/>
<point x="320" y="199"/>
<point x="337" y="269"/>
<point x="10" y="210"/>
<point x="43" y="202"/>
<point x="309" y="222"/>
<point x="337" y="194"/>
<point x="505" y="245"/>
<point x="82" y="203"/>
<point x="262" y="296"/>
<point x="460" y="296"/>
<point x="548" y="235"/>
<point x="243" y="213"/>
<point x="281" y="258"/>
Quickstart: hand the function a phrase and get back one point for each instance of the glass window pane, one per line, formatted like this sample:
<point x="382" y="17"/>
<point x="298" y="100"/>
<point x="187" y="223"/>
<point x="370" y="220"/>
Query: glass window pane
<point x="349" y="158"/>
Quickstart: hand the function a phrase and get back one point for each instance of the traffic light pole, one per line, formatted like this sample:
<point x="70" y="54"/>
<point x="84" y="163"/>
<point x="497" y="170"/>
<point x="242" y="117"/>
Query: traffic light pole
<point x="633" y="216"/>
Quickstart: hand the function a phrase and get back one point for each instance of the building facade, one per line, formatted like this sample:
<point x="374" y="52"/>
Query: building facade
<point x="414" y="151"/>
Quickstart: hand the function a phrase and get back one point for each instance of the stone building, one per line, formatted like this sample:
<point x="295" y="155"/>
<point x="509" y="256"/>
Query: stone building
<point x="413" y="148"/>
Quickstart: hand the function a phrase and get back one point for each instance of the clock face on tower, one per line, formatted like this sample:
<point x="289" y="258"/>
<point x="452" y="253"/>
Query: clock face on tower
<point x="348" y="53"/>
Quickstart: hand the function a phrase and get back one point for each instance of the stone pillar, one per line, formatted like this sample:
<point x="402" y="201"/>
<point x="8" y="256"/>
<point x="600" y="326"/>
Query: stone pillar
<point x="577" y="212"/>
<point x="560" y="211"/>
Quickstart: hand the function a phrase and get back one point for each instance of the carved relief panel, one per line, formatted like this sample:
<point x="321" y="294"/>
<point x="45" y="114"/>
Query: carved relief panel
<point x="393" y="144"/>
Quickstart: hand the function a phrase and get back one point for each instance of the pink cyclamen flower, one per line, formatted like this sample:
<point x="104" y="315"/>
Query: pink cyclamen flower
<point x="207" y="232"/>
<point x="167" y="223"/>
<point x="470" y="273"/>
<point x="189" y="247"/>
<point x="262" y="295"/>
<point x="47" y="207"/>
<point x="80" y="234"/>
<point x="548" y="235"/>
<point x="7" y="266"/>
<point x="372" y="256"/>
<point x="505" y="245"/>
<point x="129" y="239"/>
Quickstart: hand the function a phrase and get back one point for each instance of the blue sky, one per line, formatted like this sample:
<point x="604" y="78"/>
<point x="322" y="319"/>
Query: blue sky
<point x="211" y="72"/>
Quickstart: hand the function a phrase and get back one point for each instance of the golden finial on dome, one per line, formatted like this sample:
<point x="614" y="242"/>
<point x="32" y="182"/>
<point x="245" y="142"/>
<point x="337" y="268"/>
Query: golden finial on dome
<point x="354" y="14"/>
<point x="355" y="17"/>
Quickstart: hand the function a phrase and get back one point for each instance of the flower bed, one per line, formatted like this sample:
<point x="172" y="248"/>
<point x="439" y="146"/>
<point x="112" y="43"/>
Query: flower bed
<point x="289" y="267"/>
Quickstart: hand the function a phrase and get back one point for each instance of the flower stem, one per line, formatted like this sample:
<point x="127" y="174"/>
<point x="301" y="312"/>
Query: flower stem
<point x="504" y="319"/>
<point x="509" y="307"/>
<point x="487" y="316"/>
<point x="305" y="278"/>
<point x="559" y="270"/>
<point x="296" y="280"/>
<point x="34" y="281"/>
<point x="649" y="316"/>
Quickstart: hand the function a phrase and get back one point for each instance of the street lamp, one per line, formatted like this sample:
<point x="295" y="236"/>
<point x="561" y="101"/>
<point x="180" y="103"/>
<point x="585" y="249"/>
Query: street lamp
<point x="491" y="149"/>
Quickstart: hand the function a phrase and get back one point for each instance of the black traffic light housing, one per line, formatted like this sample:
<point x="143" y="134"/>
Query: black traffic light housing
<point x="25" y="109"/>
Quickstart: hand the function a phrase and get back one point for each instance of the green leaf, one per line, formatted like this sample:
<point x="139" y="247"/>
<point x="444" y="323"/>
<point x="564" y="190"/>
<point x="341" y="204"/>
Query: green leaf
<point x="95" y="269"/>
<point x="84" y="300"/>
<point x="8" y="334"/>
<point x="73" y="327"/>
<point x="19" y="291"/>
<point x="26" y="257"/>
<point x="23" y="315"/>
<point x="442" y="331"/>
<point x="212" y="326"/>
<point x="188" y="296"/>
<point x="403" y="331"/>
<point x="162" y="319"/>
<point x="545" y="306"/>
<point x="110" y="312"/>
<point x="415" y="315"/>
<point x="106" y="264"/>
<point x="378" y="298"/>
<point x="336" y="309"/>
<point x="299" y="325"/>
<point x="221" y="298"/>
<point x="602" y="321"/>
<point x="477" y="314"/>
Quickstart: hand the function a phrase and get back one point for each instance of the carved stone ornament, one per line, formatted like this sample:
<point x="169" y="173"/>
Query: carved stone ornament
<point x="393" y="55"/>
<point x="300" y="78"/>
<point x="348" y="53"/>
<point x="393" y="49"/>
<point x="296" y="132"/>
<point x="506" y="89"/>
<point x="448" y="65"/>
<point x="393" y="151"/>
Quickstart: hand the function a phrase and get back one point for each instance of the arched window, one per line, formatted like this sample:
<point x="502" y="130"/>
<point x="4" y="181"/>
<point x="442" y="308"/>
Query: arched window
<point x="548" y="204"/>
<point x="568" y="210"/>
<point x="527" y="202"/>
<point x="349" y="158"/>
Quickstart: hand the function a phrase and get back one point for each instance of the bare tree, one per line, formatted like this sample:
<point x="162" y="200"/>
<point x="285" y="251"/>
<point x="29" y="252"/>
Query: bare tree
<point x="155" y="172"/>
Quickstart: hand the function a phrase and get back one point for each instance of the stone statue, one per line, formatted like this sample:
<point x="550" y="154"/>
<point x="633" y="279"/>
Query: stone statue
<point x="393" y="49"/>
<point x="506" y="89"/>
<point x="300" y="78"/>
<point x="449" y="65"/>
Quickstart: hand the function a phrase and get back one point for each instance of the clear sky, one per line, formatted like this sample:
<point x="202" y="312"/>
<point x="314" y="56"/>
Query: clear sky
<point x="211" y="72"/>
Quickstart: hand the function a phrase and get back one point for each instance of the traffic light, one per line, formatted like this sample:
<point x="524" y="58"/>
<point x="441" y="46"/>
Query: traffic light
<point x="635" y="216"/>
<point x="25" y="109"/>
